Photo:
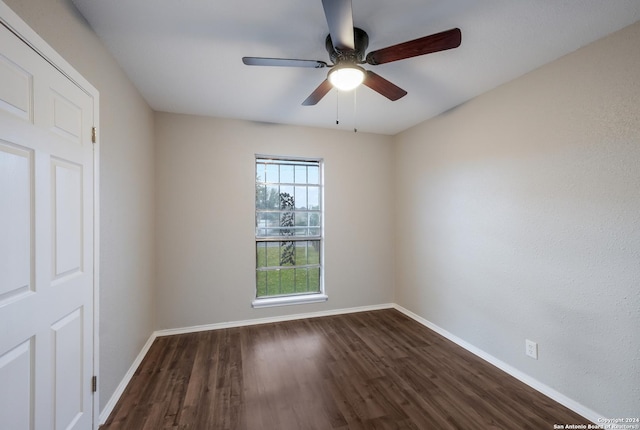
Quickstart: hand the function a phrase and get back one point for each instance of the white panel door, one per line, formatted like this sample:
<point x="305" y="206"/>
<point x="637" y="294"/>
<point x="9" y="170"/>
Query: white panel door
<point x="46" y="244"/>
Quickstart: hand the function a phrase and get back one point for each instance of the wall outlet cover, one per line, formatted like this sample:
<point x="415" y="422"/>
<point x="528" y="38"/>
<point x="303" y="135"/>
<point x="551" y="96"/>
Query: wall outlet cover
<point x="531" y="349"/>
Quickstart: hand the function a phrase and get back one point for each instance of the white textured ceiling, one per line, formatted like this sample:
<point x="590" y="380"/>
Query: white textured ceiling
<point x="185" y="55"/>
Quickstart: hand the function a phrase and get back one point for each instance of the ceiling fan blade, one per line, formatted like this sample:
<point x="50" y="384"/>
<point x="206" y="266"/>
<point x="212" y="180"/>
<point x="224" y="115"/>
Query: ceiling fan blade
<point x="425" y="45"/>
<point x="339" y="16"/>
<point x="381" y="85"/>
<point x="283" y="62"/>
<point x="318" y="93"/>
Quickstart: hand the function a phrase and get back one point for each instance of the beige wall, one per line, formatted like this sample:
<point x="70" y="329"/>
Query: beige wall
<point x="206" y="216"/>
<point x="519" y="217"/>
<point x="126" y="187"/>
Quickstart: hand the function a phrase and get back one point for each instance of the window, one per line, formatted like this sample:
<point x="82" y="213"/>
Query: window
<point x="288" y="231"/>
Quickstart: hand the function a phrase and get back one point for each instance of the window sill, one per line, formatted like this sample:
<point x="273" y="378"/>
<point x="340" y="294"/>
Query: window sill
<point x="289" y="300"/>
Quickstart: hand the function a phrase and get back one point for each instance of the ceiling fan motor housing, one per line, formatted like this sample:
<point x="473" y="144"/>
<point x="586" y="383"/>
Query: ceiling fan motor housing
<point x="356" y="56"/>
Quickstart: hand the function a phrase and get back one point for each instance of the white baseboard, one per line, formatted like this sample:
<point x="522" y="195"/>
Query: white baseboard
<point x="246" y="323"/>
<point x="522" y="377"/>
<point x="533" y="383"/>
<point x="108" y="408"/>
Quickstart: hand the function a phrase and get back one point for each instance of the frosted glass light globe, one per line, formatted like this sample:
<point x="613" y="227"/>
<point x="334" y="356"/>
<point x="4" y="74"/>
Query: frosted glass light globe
<point x="346" y="78"/>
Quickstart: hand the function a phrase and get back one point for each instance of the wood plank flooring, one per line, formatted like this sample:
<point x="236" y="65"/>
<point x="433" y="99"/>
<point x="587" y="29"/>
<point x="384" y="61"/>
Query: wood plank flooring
<point x="362" y="371"/>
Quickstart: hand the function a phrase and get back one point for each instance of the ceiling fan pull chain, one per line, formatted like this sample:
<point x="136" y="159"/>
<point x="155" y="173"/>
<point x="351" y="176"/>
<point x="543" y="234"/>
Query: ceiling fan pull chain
<point x="337" y="107"/>
<point x="355" y="110"/>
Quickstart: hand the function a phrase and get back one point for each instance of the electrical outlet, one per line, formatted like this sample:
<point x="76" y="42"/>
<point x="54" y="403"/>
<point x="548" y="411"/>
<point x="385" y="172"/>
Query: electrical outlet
<point x="531" y="349"/>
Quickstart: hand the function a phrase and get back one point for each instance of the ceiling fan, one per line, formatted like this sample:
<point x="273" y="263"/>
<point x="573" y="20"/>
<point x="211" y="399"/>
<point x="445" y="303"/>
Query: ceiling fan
<point x="346" y="46"/>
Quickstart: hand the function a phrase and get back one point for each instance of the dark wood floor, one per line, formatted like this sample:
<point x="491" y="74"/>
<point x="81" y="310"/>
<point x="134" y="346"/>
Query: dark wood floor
<point x="369" y="370"/>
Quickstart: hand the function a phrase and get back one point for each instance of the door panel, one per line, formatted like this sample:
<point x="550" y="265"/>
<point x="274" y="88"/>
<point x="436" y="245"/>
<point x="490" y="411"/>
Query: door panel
<point x="67" y="218"/>
<point x="16" y="390"/>
<point x="46" y="244"/>
<point x="67" y="377"/>
<point x="66" y="118"/>
<point x="16" y="226"/>
<point x="16" y="94"/>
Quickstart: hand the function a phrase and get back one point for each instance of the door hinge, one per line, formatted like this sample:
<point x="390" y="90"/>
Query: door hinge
<point x="94" y="133"/>
<point x="94" y="384"/>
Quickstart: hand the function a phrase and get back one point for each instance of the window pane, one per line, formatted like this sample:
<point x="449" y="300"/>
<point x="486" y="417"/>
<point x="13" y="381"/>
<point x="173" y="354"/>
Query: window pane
<point x="286" y="173"/>
<point x="314" y="280"/>
<point x="261" y="283"/>
<point x="273" y="223"/>
<point x="273" y="282"/>
<point x="301" y="197"/>
<point x="260" y="172"/>
<point x="301" y="253"/>
<point x="302" y="219"/>
<point x="313" y="252"/>
<point x="261" y="196"/>
<point x="287" y="281"/>
<point x="272" y="197"/>
<point x="287" y="254"/>
<point x="314" y="223"/>
<point x="314" y="219"/>
<point x="261" y="222"/>
<point x="314" y="198"/>
<point x="301" y="281"/>
<point x="287" y="221"/>
<point x="286" y="198"/>
<point x="301" y="174"/>
<point x="265" y="223"/>
<point x="313" y="175"/>
<point x="272" y="173"/>
<point x="273" y="254"/>
<point x="261" y="254"/>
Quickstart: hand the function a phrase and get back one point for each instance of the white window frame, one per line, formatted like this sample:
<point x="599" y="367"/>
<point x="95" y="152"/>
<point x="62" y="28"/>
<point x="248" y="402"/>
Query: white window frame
<point x="297" y="298"/>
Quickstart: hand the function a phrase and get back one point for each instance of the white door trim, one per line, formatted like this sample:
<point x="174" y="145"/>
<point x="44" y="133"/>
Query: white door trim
<point x="16" y="25"/>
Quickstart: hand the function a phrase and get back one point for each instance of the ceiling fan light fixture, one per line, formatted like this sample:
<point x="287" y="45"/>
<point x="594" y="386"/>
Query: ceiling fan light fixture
<point x="346" y="77"/>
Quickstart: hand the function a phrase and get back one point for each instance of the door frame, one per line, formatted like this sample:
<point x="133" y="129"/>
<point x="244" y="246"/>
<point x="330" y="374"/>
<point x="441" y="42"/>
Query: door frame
<point x="17" y="26"/>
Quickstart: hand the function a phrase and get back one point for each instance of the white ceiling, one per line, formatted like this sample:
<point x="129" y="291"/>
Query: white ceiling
<point x="185" y="55"/>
